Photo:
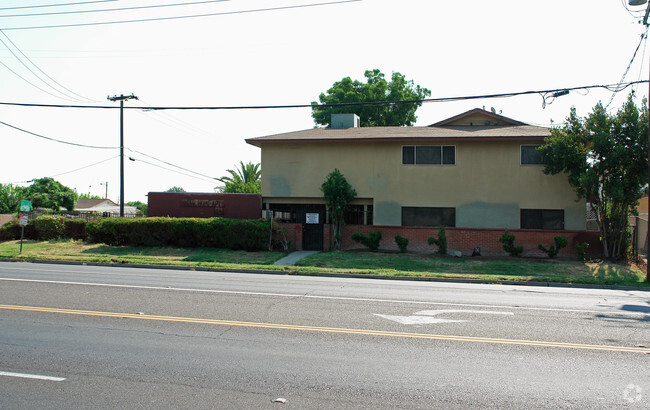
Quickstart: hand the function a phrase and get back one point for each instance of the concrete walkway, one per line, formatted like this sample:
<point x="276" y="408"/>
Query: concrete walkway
<point x="293" y="257"/>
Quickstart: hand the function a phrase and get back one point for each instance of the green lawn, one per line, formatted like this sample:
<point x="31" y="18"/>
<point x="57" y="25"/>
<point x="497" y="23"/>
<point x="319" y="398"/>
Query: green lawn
<point x="382" y="264"/>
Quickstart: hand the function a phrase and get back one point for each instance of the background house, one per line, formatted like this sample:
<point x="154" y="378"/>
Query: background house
<point x="104" y="205"/>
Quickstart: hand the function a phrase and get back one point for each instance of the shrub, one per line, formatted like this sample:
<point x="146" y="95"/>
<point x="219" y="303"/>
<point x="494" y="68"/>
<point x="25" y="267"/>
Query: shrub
<point x="441" y="242"/>
<point x="581" y="248"/>
<point x="235" y="234"/>
<point x="371" y="241"/>
<point x="49" y="227"/>
<point x="560" y="242"/>
<point x="508" y="242"/>
<point x="402" y="243"/>
<point x="75" y="229"/>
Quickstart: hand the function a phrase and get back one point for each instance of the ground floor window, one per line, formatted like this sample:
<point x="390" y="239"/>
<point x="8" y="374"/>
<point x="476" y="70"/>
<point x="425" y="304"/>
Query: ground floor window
<point x="552" y="219"/>
<point x="428" y="216"/>
<point x="357" y="215"/>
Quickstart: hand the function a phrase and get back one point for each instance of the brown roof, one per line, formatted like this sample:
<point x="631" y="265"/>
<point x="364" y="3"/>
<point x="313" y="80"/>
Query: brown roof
<point x="409" y="134"/>
<point x="489" y="127"/>
<point x="85" y="203"/>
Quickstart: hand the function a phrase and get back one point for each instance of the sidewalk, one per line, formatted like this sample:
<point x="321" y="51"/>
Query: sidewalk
<point x="293" y="257"/>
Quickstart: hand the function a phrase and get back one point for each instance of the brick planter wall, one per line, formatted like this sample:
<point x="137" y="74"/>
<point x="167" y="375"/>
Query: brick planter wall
<point x="458" y="239"/>
<point x="466" y="239"/>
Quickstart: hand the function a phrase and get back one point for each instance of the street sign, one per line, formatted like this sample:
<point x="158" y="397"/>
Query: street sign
<point x="24" y="219"/>
<point x="25" y="206"/>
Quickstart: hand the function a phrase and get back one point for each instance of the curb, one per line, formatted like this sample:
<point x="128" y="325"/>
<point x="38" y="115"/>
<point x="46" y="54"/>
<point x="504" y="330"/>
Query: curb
<point x="289" y="272"/>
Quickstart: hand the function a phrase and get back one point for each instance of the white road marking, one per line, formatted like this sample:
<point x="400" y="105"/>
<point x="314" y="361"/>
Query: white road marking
<point x="425" y="317"/>
<point x="417" y="320"/>
<point x="286" y="295"/>
<point x="33" y="376"/>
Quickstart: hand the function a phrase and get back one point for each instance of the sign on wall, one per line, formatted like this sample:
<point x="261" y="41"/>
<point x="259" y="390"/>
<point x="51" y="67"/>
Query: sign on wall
<point x="311" y="218"/>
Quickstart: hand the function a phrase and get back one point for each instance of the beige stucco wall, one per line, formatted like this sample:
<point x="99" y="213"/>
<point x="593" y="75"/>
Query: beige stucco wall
<point x="487" y="186"/>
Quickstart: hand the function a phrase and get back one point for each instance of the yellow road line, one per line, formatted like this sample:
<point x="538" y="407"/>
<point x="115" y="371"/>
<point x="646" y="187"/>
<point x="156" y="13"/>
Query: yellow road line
<point x="364" y="332"/>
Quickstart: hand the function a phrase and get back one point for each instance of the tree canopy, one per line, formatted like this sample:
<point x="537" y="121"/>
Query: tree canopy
<point x="376" y="89"/>
<point x="338" y="193"/>
<point x="51" y="194"/>
<point x="605" y="157"/>
<point x="176" y="189"/>
<point x="247" y="179"/>
<point x="10" y="196"/>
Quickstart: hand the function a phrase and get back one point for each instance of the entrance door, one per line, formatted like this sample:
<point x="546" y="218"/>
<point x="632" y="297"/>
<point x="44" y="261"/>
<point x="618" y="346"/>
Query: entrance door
<point x="312" y="230"/>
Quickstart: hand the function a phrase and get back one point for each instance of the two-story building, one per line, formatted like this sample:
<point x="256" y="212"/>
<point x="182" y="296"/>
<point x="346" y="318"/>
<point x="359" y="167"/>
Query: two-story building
<point x="477" y="170"/>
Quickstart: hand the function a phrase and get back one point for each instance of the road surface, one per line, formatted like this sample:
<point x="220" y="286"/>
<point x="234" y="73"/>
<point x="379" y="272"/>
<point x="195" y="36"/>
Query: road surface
<point x="105" y="337"/>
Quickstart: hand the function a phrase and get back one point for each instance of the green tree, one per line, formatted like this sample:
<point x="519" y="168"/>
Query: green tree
<point x="247" y="179"/>
<point x="338" y="193"/>
<point x="606" y="159"/>
<point x="10" y="196"/>
<point x="48" y="193"/>
<point x="88" y="196"/>
<point x="142" y="207"/>
<point x="376" y="89"/>
<point x="175" y="189"/>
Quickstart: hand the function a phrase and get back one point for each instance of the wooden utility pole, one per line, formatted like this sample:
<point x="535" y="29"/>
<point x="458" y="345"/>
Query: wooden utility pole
<point x="121" y="99"/>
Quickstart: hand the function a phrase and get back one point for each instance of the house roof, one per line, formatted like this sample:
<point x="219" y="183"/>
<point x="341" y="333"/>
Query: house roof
<point x="473" y="125"/>
<point x="85" y="203"/>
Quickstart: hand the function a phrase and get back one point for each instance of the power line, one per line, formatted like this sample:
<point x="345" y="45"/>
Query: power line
<point x="56" y="5"/>
<point x="170" y="170"/>
<point x="53" y="13"/>
<point x="183" y="17"/>
<point x="644" y="36"/>
<point x="69" y="97"/>
<point x="617" y="87"/>
<point x="32" y="84"/>
<point x="82" y="168"/>
<point x="168" y="163"/>
<point x="54" y="139"/>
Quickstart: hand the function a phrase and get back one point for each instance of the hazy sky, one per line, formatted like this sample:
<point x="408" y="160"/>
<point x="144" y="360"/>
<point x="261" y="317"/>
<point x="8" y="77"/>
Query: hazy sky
<point x="241" y="57"/>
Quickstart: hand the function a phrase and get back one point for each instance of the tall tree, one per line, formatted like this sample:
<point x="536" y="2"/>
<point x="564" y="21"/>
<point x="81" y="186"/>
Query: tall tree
<point x="376" y="89"/>
<point x="10" y="196"/>
<point x="247" y="179"/>
<point x="48" y="193"/>
<point x="338" y="193"/>
<point x="175" y="189"/>
<point x="606" y="159"/>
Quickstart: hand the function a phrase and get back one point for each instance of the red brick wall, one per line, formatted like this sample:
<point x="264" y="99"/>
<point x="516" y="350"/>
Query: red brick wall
<point x="458" y="239"/>
<point x="466" y="239"/>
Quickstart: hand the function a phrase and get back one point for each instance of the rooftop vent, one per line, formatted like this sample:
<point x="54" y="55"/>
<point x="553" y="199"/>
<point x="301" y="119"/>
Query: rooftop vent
<point x="345" y="121"/>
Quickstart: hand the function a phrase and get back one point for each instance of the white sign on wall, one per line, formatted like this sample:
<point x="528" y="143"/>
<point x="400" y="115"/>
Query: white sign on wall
<point x="311" y="218"/>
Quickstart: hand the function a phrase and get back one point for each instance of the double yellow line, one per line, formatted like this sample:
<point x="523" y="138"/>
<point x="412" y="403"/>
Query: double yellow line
<point x="361" y="332"/>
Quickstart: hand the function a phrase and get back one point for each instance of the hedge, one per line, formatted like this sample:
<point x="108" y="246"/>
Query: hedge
<point x="236" y="234"/>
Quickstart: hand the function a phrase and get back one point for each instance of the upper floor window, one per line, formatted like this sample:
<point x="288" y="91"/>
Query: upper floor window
<point x="429" y="155"/>
<point x="530" y="155"/>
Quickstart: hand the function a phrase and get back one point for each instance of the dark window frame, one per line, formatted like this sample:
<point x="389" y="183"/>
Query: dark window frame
<point x="415" y="215"/>
<point x="544" y="219"/>
<point x="411" y="152"/>
<point x="537" y="156"/>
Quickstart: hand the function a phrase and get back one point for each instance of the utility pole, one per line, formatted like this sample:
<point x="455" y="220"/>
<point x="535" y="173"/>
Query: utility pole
<point x="121" y="99"/>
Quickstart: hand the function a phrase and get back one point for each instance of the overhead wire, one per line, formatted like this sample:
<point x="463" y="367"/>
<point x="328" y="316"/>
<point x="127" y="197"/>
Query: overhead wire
<point x="68" y="96"/>
<point x="54" y="139"/>
<point x="181" y="17"/>
<point x="57" y="5"/>
<point x="32" y="84"/>
<point x="151" y="6"/>
<point x="171" y="170"/>
<point x="169" y="163"/>
<point x="644" y="37"/>
<point x="610" y="87"/>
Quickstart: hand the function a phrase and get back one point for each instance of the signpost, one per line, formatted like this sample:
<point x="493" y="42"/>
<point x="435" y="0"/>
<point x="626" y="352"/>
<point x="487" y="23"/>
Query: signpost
<point x="25" y="206"/>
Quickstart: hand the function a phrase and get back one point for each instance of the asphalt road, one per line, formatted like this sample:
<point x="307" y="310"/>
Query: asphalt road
<point x="107" y="337"/>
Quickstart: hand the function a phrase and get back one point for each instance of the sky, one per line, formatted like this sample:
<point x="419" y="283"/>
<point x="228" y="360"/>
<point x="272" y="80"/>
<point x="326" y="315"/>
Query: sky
<point x="277" y="52"/>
